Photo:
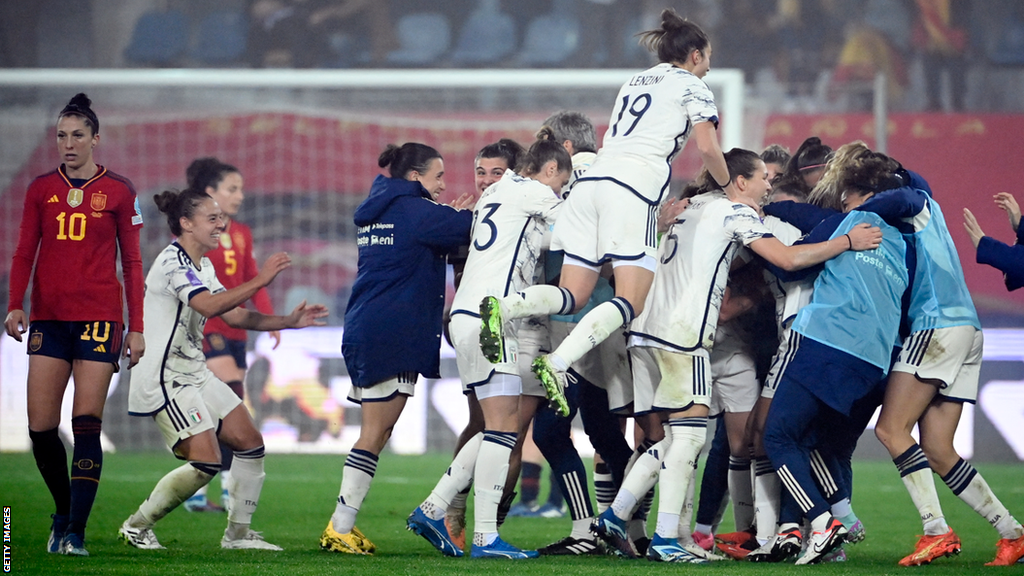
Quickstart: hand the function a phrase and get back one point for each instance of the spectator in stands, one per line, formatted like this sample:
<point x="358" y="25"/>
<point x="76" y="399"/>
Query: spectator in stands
<point x="304" y="33"/>
<point x="939" y="36"/>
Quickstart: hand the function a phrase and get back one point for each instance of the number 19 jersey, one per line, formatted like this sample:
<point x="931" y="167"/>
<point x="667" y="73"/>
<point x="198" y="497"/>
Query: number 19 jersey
<point x="653" y="117"/>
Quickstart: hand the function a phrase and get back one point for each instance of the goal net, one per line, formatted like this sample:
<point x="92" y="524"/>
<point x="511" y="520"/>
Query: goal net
<point x="306" y="143"/>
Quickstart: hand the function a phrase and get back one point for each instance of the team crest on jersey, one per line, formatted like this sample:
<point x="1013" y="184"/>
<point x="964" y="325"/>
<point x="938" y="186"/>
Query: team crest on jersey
<point x="75" y="196"/>
<point x="194" y="415"/>
<point x="98" y="201"/>
<point x="35" y="342"/>
<point x="225" y="240"/>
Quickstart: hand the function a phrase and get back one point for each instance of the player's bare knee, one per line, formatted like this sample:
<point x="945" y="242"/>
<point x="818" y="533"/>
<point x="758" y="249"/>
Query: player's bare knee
<point x="941" y="455"/>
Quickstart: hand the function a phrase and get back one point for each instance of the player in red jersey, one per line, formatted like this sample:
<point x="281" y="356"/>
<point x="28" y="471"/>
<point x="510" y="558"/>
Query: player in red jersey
<point x="235" y="264"/>
<point x="74" y="221"/>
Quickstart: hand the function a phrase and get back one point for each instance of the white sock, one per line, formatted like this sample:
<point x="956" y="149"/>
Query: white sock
<point x="538" y="300"/>
<point x="594" y="328"/>
<point x="742" y="492"/>
<point x="641" y="478"/>
<point x="248" y="483"/>
<point x="174" y="488"/>
<point x="360" y="467"/>
<point x="457" y="478"/>
<point x="965" y="481"/>
<point x="581" y="529"/>
<point x="916" y="474"/>
<point x="688" y="436"/>
<point x="767" y="494"/>
<point x="820" y="522"/>
<point x="491" y="471"/>
<point x="225" y="481"/>
<point x="686" y="516"/>
<point x="202" y="490"/>
<point x="842" y="508"/>
<point x="603" y="487"/>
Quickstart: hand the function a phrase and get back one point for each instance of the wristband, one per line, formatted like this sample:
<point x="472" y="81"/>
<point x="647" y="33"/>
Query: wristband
<point x="850" y="240"/>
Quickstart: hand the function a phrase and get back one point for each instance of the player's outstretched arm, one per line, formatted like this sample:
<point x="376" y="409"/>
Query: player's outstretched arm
<point x="800" y="256"/>
<point x="301" y="317"/>
<point x="211" y="305"/>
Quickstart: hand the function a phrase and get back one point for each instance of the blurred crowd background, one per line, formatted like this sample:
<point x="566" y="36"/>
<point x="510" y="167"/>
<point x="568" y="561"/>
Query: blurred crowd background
<point x="798" y="55"/>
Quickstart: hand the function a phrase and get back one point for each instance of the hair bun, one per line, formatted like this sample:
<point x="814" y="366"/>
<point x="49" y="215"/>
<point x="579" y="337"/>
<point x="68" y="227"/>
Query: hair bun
<point x="671" y="21"/>
<point x="80" y="100"/>
<point x="387" y="157"/>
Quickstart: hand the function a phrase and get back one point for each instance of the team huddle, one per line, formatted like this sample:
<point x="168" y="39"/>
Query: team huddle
<point x="583" y="286"/>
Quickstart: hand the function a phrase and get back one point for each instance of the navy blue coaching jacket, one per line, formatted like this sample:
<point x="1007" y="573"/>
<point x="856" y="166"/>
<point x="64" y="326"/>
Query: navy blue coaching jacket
<point x="393" y="319"/>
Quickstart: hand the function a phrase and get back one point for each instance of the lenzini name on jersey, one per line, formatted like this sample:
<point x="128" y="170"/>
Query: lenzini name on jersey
<point x="645" y="80"/>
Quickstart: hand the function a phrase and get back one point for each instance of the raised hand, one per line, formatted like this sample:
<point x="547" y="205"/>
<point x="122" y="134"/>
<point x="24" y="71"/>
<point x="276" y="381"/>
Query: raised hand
<point x="1008" y="204"/>
<point x="273" y="266"/>
<point x="972" y="227"/>
<point x="464" y="202"/>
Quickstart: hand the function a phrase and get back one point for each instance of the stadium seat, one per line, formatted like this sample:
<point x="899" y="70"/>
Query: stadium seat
<point x="424" y="37"/>
<point x="1008" y="46"/>
<point x="221" y="37"/>
<point x="159" y="38"/>
<point x="486" y="37"/>
<point x="550" y="40"/>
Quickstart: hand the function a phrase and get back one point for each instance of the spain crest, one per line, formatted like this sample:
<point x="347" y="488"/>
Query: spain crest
<point x="75" y="196"/>
<point x="98" y="201"/>
<point x="35" y="341"/>
<point x="225" y="240"/>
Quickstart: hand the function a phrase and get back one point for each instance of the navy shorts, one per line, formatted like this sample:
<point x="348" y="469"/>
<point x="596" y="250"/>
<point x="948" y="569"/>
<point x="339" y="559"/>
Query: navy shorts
<point x="217" y="345"/>
<point x="96" y="341"/>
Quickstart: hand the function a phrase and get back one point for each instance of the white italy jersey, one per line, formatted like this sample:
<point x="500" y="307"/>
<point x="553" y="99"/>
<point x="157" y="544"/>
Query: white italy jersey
<point x="790" y="297"/>
<point x="652" y="119"/>
<point x="174" y="331"/>
<point x="681" y="311"/>
<point x="509" y="223"/>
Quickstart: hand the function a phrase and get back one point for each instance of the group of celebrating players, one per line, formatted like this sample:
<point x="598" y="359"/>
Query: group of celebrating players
<point x="585" y="289"/>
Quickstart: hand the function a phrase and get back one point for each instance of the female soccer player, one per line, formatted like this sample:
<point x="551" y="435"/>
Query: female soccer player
<point x="75" y="220"/>
<point x="807" y="165"/>
<point x="936" y="372"/>
<point x="493" y="160"/>
<point x="393" y="320"/>
<point x="612" y="214"/>
<point x="191" y="406"/>
<point x="234" y="263"/>
<point x="831" y="367"/>
<point x="509" y="225"/>
<point x="670" y="341"/>
<point x="491" y="163"/>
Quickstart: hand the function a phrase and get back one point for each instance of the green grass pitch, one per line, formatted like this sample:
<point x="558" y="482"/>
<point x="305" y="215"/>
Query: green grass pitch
<point x="299" y="496"/>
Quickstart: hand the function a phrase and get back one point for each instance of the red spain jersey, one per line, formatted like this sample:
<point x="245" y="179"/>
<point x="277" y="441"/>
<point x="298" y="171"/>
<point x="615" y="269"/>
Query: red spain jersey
<point x="234" y="263"/>
<point x="71" y="233"/>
